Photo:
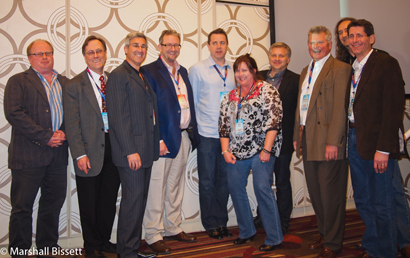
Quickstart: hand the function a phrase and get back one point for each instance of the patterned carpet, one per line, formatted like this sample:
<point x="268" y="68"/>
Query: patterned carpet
<point x="302" y="232"/>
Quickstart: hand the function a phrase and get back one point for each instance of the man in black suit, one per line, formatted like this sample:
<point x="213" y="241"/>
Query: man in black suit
<point x="286" y="82"/>
<point x="38" y="153"/>
<point x="87" y="134"/>
<point x="134" y="134"/>
<point x="375" y="104"/>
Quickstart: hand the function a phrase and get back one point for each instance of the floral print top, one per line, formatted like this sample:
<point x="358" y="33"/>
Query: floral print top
<point x="261" y="112"/>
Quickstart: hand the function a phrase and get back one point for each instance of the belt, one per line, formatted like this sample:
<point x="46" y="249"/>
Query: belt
<point x="351" y="125"/>
<point x="189" y="130"/>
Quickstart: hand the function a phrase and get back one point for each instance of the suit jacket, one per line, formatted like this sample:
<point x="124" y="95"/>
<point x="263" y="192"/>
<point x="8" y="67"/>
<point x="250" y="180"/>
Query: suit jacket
<point x="326" y="119"/>
<point x="131" y="108"/>
<point x="378" y="106"/>
<point x="27" y="109"/>
<point x="169" y="108"/>
<point x="288" y="91"/>
<point x="84" y="124"/>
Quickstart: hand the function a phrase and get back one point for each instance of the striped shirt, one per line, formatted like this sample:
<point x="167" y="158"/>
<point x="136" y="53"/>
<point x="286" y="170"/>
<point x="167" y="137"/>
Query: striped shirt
<point x="54" y="95"/>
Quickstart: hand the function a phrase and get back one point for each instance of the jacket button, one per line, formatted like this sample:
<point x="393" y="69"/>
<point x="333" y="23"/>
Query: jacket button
<point x="320" y="108"/>
<point x="179" y="111"/>
<point x="102" y="129"/>
<point x="102" y="145"/>
<point x="47" y="110"/>
<point x="318" y="123"/>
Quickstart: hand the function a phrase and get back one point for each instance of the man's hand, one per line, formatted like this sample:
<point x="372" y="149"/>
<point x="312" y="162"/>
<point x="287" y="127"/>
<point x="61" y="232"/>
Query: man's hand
<point x="229" y="157"/>
<point x="57" y="139"/>
<point x="381" y="161"/>
<point x="134" y="161"/>
<point x="84" y="164"/>
<point x="331" y="152"/>
<point x="163" y="150"/>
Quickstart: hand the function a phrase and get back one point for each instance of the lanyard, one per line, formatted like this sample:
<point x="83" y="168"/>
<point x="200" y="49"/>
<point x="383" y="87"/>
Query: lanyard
<point x="96" y="85"/>
<point x="277" y="84"/>
<point x="354" y="82"/>
<point x="310" y="74"/>
<point x="241" y="99"/>
<point x="220" y="75"/>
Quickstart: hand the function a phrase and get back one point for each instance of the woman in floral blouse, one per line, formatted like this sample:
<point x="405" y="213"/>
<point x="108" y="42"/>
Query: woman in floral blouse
<point x="249" y="129"/>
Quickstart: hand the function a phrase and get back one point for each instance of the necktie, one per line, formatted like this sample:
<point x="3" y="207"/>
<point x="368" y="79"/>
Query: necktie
<point x="104" y="109"/>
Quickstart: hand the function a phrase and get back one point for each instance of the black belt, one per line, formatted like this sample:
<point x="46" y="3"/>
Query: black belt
<point x="189" y="130"/>
<point x="351" y="125"/>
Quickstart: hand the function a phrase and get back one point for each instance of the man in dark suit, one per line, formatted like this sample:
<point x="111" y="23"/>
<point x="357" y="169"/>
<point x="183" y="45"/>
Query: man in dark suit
<point x="178" y="129"/>
<point x="320" y="121"/>
<point x="38" y="153"/>
<point x="134" y="134"/>
<point x="375" y="104"/>
<point x="87" y="134"/>
<point x="286" y="82"/>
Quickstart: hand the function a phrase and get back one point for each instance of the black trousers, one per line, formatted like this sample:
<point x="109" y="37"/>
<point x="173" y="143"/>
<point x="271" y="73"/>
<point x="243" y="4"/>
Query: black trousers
<point x="97" y="199"/>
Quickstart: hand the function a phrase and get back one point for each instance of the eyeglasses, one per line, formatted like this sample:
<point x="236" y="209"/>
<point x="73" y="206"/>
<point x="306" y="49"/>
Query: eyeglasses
<point x="92" y="52"/>
<point x="41" y="54"/>
<point x="169" y="46"/>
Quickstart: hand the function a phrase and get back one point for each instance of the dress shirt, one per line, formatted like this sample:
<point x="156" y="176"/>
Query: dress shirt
<point x="357" y="68"/>
<point x="55" y="99"/>
<point x="180" y="89"/>
<point x="207" y="86"/>
<point x="276" y="79"/>
<point x="308" y="88"/>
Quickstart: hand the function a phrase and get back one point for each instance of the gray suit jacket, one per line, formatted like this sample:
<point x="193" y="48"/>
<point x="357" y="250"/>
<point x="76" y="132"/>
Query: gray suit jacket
<point x="84" y="124"/>
<point x="130" y="108"/>
<point x="326" y="119"/>
<point x="27" y="109"/>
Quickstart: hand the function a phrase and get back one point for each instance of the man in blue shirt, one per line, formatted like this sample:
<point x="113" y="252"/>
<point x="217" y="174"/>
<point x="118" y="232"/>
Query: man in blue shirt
<point x="210" y="80"/>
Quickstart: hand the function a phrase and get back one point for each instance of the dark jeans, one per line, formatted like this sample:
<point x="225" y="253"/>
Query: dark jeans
<point x="213" y="184"/>
<point x="283" y="188"/>
<point x="25" y="183"/>
<point x="402" y="208"/>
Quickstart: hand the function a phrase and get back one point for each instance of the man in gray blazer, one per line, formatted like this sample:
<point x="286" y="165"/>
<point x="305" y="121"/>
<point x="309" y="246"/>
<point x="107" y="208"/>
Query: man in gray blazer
<point x="134" y="133"/>
<point x="97" y="177"/>
<point x="38" y="153"/>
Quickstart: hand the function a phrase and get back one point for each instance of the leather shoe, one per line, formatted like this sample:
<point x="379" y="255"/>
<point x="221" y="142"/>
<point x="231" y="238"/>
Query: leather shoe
<point x="405" y="251"/>
<point x="225" y="232"/>
<point x="109" y="248"/>
<point x="241" y="241"/>
<point x="94" y="254"/>
<point x="215" y="233"/>
<point x="146" y="254"/>
<point x="327" y="253"/>
<point x="182" y="237"/>
<point x="266" y="248"/>
<point x="160" y="247"/>
<point x="365" y="255"/>
<point x="317" y="244"/>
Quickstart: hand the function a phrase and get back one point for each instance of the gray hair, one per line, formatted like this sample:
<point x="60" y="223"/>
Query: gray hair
<point x="131" y="35"/>
<point x="320" y="29"/>
<point x="281" y="45"/>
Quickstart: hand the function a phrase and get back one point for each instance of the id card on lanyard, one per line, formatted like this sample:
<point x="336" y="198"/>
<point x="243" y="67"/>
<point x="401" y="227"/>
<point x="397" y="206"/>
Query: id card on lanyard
<point x="103" y="114"/>
<point x="224" y="92"/>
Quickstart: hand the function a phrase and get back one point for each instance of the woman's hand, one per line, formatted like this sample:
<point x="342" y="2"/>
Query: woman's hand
<point x="229" y="157"/>
<point x="264" y="156"/>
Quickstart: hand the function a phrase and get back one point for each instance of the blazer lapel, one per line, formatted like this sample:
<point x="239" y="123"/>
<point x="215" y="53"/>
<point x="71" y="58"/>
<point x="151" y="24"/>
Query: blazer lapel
<point x="38" y="84"/>
<point x="89" y="92"/>
<point x="167" y="77"/>
<point x="367" y="70"/>
<point x="319" y="80"/>
<point x="283" y="85"/>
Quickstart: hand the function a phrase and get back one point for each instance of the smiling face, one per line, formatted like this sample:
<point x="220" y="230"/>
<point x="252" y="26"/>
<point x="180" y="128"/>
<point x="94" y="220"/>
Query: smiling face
<point x="95" y="61"/>
<point x="244" y="76"/>
<point x="278" y="59"/>
<point x="43" y="64"/>
<point x="319" y="47"/>
<point x="359" y="42"/>
<point x="218" y="47"/>
<point x="136" y="52"/>
<point x="169" y="54"/>
<point x="343" y="33"/>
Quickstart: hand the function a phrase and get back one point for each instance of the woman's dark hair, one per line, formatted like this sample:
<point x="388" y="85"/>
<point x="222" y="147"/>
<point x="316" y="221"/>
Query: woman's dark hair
<point x="250" y="63"/>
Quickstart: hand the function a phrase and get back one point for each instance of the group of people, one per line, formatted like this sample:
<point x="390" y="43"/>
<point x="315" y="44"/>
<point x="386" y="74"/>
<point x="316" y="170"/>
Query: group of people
<point x="137" y="125"/>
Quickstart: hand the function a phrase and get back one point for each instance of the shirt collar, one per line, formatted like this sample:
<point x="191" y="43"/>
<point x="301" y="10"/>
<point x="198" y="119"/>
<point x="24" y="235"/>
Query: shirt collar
<point x="212" y="62"/>
<point x="321" y="62"/>
<point x="277" y="76"/>
<point x="95" y="76"/>
<point x="357" y="64"/>
<point x="169" y="68"/>
<point x="54" y="73"/>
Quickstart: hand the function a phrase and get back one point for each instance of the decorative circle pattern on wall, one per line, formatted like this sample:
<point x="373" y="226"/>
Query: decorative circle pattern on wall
<point x="115" y="3"/>
<point x="206" y="5"/>
<point x="191" y="174"/>
<point x="226" y="25"/>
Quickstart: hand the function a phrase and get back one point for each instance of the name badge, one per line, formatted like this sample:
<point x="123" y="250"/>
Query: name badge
<point x="105" y="121"/>
<point x="183" y="101"/>
<point x="305" y="102"/>
<point x="239" y="127"/>
<point x="222" y="95"/>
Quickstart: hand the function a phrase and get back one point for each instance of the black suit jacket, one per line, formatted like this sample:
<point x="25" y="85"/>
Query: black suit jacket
<point x="27" y="109"/>
<point x="378" y="106"/>
<point x="288" y="91"/>
<point x="169" y="108"/>
<point x="84" y="124"/>
<point x="130" y="108"/>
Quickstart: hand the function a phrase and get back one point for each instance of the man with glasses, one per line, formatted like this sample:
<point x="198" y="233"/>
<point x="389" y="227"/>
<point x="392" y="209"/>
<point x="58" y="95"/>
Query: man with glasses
<point x="134" y="135"/>
<point x="178" y="130"/>
<point x="88" y="136"/>
<point x="38" y="150"/>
